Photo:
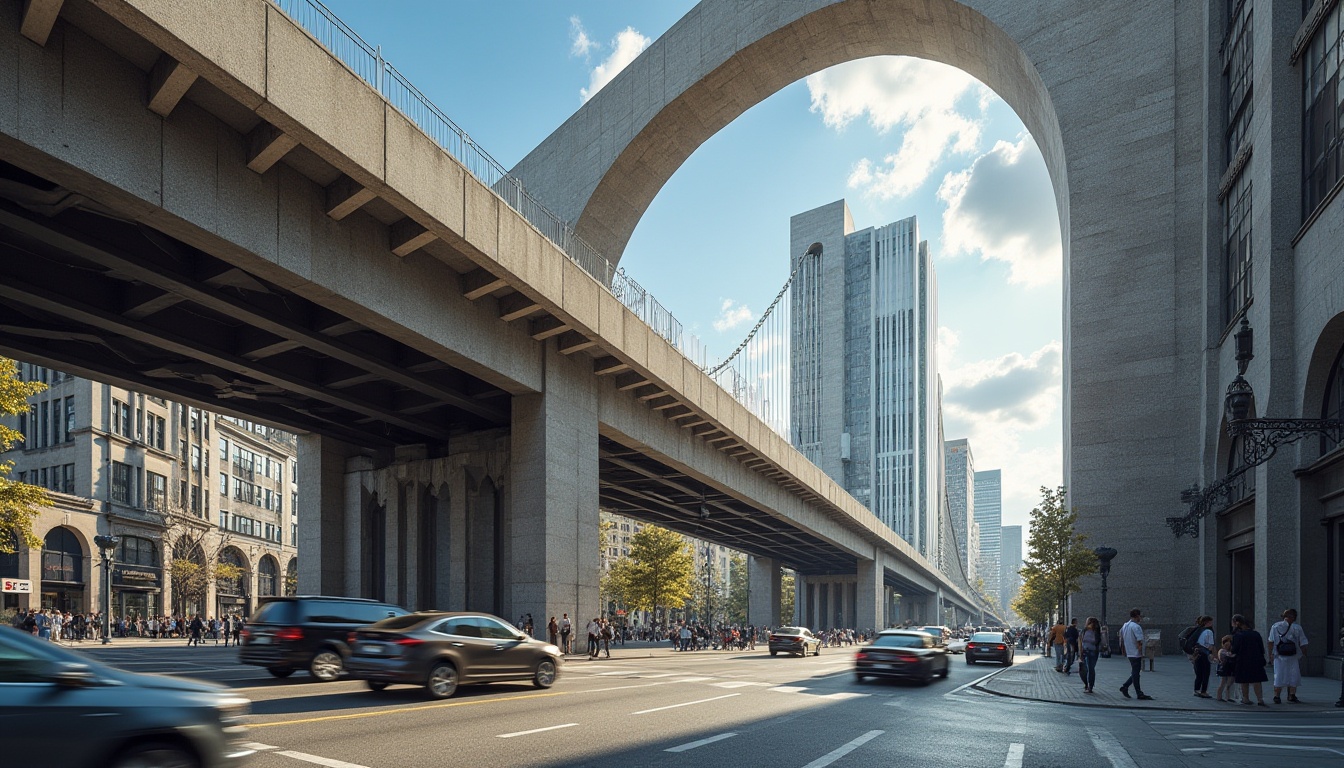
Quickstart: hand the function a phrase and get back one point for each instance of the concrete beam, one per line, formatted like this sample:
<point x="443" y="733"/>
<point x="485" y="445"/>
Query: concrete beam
<point x="168" y="83"/>
<point x="516" y="306"/>
<point x="546" y="327"/>
<point x="480" y="282"/>
<point x="573" y="341"/>
<point x="345" y="196"/>
<point x="650" y="392"/>
<point x="609" y="365"/>
<point x="664" y="403"/>
<point x="39" y="16"/>
<point x="266" y="144"/>
<point x="407" y="236"/>
<point x="633" y="380"/>
<point x="678" y="413"/>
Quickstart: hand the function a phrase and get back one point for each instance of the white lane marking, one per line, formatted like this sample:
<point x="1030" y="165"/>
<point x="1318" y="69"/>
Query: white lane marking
<point x="1278" y="746"/>
<point x="1279" y="735"/>
<point x="625" y="687"/>
<point x="661" y="674"/>
<point x="976" y="681"/>
<point x="1194" y="735"/>
<point x="693" y="679"/>
<point x="842" y="696"/>
<point x="307" y="758"/>
<point x="1014" y="758"/>
<point x="736" y="684"/>
<point x="1197" y="749"/>
<point x="788" y="688"/>
<point x="839" y="752"/>
<point x="684" y="704"/>
<point x="1247" y="725"/>
<point x="692" y="745"/>
<point x="535" y="730"/>
<point x="258" y="747"/>
<point x="1109" y="747"/>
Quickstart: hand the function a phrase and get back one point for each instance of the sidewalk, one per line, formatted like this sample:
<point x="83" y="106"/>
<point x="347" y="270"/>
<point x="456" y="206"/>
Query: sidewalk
<point x="1171" y="685"/>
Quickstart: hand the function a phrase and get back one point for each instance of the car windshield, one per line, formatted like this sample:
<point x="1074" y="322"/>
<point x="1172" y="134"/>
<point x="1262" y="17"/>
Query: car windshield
<point x="403" y="622"/>
<point x="935" y="631"/>
<point x="899" y="641"/>
<point x="987" y="637"/>
<point x="789" y="631"/>
<point x="274" y="612"/>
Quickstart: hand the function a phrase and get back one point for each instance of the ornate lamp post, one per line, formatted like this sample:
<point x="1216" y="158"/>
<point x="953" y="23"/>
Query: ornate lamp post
<point x="107" y="544"/>
<point x="1259" y="439"/>
<point x="1104" y="557"/>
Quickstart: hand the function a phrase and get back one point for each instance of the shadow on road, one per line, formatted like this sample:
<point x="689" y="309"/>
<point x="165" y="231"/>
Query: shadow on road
<point x="337" y="701"/>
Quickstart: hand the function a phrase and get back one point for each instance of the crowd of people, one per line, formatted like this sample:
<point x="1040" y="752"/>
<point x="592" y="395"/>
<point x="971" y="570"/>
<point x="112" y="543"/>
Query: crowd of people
<point x="58" y="626"/>
<point x="54" y="625"/>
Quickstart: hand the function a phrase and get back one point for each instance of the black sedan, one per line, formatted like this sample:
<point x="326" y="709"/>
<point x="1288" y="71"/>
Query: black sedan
<point x="799" y="640"/>
<point x="908" y="654"/>
<point x="443" y="650"/>
<point x="989" y="646"/>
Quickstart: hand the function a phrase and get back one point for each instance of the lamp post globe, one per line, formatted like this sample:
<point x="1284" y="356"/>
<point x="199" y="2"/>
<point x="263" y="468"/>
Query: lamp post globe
<point x="108" y="544"/>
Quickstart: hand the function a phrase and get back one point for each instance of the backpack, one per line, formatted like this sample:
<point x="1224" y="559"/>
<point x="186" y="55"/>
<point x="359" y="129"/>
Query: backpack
<point x="1189" y="639"/>
<point x="1286" y="647"/>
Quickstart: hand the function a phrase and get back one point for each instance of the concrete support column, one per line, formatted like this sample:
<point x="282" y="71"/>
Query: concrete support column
<point x="358" y="471"/>
<point x="799" y="599"/>
<point x="762" y="591"/>
<point x="870" y="609"/>
<point x="323" y="516"/>
<point x="553" y="494"/>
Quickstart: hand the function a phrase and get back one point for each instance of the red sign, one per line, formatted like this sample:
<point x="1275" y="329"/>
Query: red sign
<point x="620" y="613"/>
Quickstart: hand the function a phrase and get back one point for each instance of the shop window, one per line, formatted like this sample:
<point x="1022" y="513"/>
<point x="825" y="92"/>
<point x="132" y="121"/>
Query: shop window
<point x="62" y="557"/>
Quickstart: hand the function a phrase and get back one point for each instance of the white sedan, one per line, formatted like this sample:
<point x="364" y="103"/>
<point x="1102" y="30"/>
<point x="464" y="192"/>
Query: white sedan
<point x="956" y="645"/>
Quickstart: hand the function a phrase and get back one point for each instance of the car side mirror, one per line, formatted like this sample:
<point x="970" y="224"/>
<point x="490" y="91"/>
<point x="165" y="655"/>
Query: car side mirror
<point x="72" y="675"/>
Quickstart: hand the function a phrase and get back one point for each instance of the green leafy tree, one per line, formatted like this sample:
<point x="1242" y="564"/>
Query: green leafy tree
<point x="738" y="590"/>
<point x="195" y="560"/>
<point x="1057" y="555"/>
<point x="658" y="573"/>
<point x="1034" y="604"/>
<point x="19" y="502"/>
<point x="787" y="593"/>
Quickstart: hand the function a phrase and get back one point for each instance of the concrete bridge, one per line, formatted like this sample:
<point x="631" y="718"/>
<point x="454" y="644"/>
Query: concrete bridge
<point x="198" y="200"/>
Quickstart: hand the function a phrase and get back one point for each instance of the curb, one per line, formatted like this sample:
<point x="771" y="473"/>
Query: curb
<point x="979" y="686"/>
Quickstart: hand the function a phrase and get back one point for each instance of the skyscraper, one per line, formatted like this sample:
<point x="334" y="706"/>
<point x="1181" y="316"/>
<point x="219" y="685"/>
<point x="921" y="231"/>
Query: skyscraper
<point x="864" y="371"/>
<point x="959" y="465"/>
<point x="989" y="514"/>
<point x="1010" y="560"/>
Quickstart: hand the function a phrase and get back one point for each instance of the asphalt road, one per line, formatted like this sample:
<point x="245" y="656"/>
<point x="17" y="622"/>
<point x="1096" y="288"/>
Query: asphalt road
<point x="725" y="709"/>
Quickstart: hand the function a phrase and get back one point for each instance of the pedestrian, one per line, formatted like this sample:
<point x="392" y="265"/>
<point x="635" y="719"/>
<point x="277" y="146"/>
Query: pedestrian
<point x="593" y="629"/>
<point x="553" y="631"/>
<point x="606" y="635"/>
<point x="1131" y="642"/>
<point x="1056" y="643"/>
<point x="1286" y="641"/>
<point x="1089" y="642"/>
<point x="566" y="633"/>
<point x="1201" y="657"/>
<point x="527" y="625"/>
<point x="1225" y="670"/>
<point x="1248" y="662"/>
<point x="1070" y="645"/>
<point x="196" y="628"/>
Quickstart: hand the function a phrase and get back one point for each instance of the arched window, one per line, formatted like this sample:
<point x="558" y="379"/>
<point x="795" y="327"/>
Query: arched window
<point x="229" y="578"/>
<point x="62" y="557"/>
<point x="135" y="550"/>
<point x="292" y="577"/>
<point x="1333" y="405"/>
<point x="267" y="571"/>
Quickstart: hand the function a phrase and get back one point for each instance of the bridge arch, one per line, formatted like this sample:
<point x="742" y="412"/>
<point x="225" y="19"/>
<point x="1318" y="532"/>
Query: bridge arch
<point x="604" y="166"/>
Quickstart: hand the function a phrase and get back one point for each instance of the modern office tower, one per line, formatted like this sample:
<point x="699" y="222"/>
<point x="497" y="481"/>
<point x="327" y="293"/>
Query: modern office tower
<point x="959" y="469"/>
<point x="864" y="378"/>
<point x="132" y="465"/>
<point x="1010" y="560"/>
<point x="989" y="514"/>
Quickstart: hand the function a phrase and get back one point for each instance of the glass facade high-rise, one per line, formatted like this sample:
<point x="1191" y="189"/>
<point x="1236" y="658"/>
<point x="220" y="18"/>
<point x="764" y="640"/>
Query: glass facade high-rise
<point x="864" y="370"/>
<point x="1010" y="562"/>
<point x="959" y="466"/>
<point x="989" y="514"/>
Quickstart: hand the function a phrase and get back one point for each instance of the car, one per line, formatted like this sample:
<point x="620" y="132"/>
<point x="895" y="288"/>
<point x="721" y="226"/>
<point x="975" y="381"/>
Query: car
<point x="78" y="712"/>
<point x="902" y="653"/>
<point x="308" y="632"/>
<point x="940" y="634"/>
<point x="796" y="640"/>
<point x="956" y="645"/>
<point x="989" y="646"/>
<point x="442" y="650"/>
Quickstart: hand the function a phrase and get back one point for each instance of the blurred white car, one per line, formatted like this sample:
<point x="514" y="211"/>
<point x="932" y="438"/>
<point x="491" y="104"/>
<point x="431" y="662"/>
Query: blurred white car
<point x="956" y="645"/>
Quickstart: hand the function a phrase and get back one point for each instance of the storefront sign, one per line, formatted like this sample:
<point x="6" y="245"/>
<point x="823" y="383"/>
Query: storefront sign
<point x="136" y="576"/>
<point x="21" y="586"/>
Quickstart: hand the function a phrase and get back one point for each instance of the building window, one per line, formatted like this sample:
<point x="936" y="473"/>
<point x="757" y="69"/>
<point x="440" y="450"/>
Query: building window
<point x="1237" y="77"/>
<point x="159" y="429"/>
<point x="121" y="483"/>
<point x="223" y="449"/>
<point x="67" y="478"/>
<point x="42" y="422"/>
<point x="195" y="457"/>
<point x="138" y="551"/>
<point x="267" y="571"/>
<point x="69" y="419"/>
<point x="196" y="500"/>
<point x="158" y="492"/>
<point x="1321" y="125"/>
<point x="62" y="557"/>
<point x="1237" y="248"/>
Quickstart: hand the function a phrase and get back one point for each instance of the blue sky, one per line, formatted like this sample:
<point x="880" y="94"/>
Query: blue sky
<point x="894" y="137"/>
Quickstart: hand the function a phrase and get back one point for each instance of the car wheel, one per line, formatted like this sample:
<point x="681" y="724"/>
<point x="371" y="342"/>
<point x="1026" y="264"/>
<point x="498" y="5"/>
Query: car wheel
<point x="818" y="651"/>
<point x="442" y="682"/>
<point x="928" y="676"/>
<point x="280" y="672"/>
<point x="156" y="755"/>
<point x="860" y="679"/>
<point x="326" y="666"/>
<point x="544" y="677"/>
<point x="375" y="685"/>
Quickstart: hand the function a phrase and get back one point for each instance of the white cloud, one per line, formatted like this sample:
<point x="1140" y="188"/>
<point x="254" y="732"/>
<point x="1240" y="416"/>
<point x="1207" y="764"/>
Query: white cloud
<point x="731" y="316"/>
<point x="627" y="45"/>
<point x="1003" y="208"/>
<point x="915" y="95"/>
<point x="579" y="42"/>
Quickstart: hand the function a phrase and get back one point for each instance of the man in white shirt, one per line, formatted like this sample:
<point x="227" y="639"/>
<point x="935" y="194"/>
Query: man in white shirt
<point x="1131" y="640"/>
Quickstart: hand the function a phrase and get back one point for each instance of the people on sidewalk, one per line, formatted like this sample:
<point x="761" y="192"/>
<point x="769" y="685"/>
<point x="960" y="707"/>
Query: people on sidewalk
<point x="1089" y="641"/>
<point x="566" y="634"/>
<point x="1070" y="645"/>
<point x="1286" y="641"/>
<point x="1056" y="643"/>
<point x="1226" y="681"/>
<point x="1131" y="642"/>
<point x="1201" y="658"/>
<point x="1248" y="660"/>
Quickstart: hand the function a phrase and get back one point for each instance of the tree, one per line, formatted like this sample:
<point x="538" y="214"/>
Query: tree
<point x="19" y="502"/>
<point x="706" y="597"/>
<point x="787" y="593"/>
<point x="192" y="555"/>
<point x="1034" y="604"/>
<point x="1057" y="555"/>
<point x="657" y="573"/>
<point x="738" y="590"/>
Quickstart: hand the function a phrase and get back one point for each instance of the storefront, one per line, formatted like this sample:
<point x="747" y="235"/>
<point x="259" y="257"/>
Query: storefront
<point x="63" y="577"/>
<point x="136" y="591"/>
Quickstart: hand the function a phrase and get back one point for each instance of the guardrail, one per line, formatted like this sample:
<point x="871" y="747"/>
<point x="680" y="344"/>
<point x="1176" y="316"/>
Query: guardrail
<point x="367" y="62"/>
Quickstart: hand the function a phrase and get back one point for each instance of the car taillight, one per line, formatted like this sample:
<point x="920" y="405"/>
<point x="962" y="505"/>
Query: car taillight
<point x="289" y="633"/>
<point x="1000" y="647"/>
<point x="797" y="639"/>
<point x="350" y="638"/>
<point x="409" y="641"/>
<point x="969" y="646"/>
<point x="861" y="655"/>
<point x="246" y="632"/>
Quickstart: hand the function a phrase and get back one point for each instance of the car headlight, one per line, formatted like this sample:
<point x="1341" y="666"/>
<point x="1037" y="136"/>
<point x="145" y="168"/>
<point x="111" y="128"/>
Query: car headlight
<point x="233" y="711"/>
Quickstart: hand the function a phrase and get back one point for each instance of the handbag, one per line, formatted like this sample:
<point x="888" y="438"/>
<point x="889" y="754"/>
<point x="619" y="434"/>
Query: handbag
<point x="1285" y="646"/>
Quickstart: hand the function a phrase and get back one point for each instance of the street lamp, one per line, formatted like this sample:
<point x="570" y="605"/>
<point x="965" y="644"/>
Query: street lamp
<point x="107" y="544"/>
<point x="1104" y="557"/>
<point x="709" y="573"/>
<point x="1259" y="439"/>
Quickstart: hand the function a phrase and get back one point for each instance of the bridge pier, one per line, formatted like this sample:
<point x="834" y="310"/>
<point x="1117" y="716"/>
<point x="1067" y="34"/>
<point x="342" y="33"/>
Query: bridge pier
<point x="870" y="605"/>
<point x="763" y="591"/>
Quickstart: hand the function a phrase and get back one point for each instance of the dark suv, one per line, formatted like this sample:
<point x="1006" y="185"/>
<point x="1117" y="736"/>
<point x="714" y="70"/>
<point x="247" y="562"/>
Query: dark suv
<point x="308" y="632"/>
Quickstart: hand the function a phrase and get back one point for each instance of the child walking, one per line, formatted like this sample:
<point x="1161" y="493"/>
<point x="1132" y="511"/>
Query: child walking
<point x="1225" y="672"/>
